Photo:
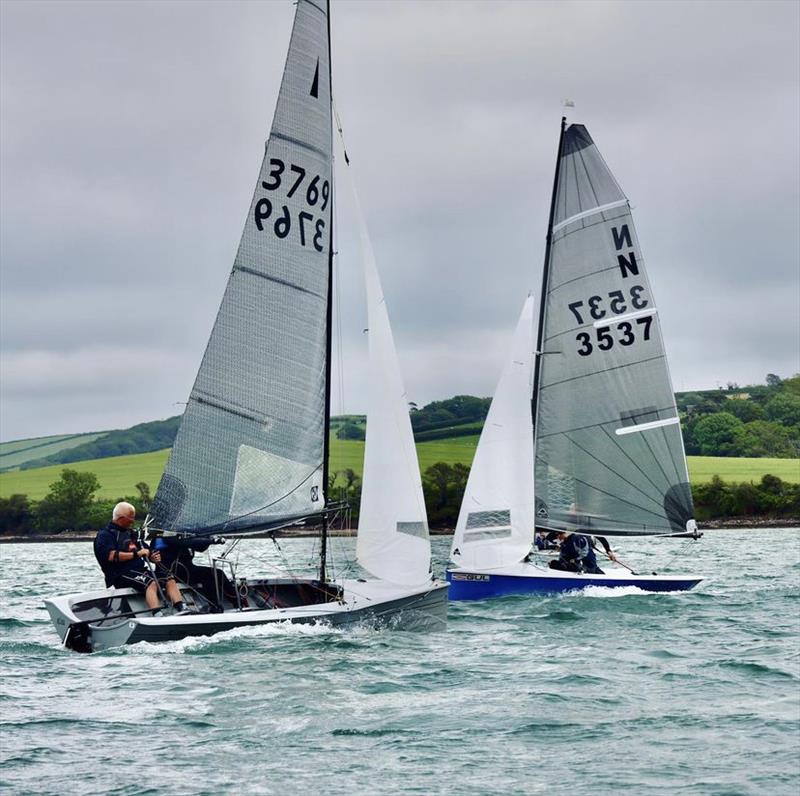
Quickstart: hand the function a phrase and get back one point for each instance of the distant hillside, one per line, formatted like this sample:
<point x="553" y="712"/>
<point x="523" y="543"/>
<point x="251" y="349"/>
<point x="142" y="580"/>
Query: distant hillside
<point x="142" y="438"/>
<point x="14" y="455"/>
<point x="755" y="421"/>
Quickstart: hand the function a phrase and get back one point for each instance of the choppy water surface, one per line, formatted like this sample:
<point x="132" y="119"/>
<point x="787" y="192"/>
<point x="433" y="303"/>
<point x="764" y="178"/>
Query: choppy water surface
<point x="602" y="692"/>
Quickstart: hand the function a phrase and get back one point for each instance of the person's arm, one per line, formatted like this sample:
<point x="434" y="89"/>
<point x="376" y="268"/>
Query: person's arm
<point x="125" y="556"/>
<point x="606" y="546"/>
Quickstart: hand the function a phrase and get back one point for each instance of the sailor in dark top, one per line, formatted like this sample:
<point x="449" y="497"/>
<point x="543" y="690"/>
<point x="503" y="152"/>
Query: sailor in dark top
<point x="577" y="555"/>
<point x="121" y="558"/>
<point x="545" y="541"/>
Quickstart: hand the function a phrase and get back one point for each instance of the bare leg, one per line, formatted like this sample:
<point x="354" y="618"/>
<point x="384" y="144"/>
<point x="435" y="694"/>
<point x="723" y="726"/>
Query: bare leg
<point x="151" y="596"/>
<point x="173" y="592"/>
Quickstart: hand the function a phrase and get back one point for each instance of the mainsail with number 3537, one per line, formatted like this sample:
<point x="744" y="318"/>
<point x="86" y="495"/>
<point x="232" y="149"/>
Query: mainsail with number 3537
<point x="609" y="454"/>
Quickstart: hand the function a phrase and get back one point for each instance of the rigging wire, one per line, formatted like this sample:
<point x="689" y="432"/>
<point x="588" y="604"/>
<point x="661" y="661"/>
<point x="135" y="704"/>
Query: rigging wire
<point x="337" y="293"/>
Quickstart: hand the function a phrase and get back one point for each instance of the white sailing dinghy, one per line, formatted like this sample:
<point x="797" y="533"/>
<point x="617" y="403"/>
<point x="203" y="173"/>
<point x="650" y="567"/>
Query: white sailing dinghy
<point x="252" y="450"/>
<point x="609" y="457"/>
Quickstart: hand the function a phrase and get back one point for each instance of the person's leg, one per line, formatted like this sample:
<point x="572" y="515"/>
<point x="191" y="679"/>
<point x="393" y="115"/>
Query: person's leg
<point x="564" y="566"/>
<point x="173" y="592"/>
<point x="151" y="596"/>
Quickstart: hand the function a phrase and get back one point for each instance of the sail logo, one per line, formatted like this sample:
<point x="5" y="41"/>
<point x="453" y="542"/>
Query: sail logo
<point x="627" y="263"/>
<point x="314" y="494"/>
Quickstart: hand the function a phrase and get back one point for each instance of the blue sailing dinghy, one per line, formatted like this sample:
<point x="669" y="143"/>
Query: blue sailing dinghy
<point x="604" y="454"/>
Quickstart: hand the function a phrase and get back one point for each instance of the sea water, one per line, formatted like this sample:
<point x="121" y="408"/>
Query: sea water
<point x="606" y="691"/>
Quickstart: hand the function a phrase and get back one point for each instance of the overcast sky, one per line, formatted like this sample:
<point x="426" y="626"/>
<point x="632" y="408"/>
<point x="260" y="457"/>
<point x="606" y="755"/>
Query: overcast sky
<point x="132" y="134"/>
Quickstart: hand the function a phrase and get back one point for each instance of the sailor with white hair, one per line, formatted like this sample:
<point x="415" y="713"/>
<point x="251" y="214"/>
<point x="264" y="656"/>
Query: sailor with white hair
<point x="121" y="557"/>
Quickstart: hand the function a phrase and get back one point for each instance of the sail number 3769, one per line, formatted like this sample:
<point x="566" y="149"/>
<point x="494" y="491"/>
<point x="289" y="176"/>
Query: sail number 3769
<point x="309" y="230"/>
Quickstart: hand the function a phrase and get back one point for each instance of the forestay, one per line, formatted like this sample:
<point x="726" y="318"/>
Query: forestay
<point x="393" y="542"/>
<point x="250" y="448"/>
<point x="609" y="453"/>
<point x="495" y="524"/>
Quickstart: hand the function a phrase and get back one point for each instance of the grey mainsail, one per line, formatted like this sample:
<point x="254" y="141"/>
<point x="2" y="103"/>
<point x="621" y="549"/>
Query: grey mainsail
<point x="250" y="450"/>
<point x="609" y="452"/>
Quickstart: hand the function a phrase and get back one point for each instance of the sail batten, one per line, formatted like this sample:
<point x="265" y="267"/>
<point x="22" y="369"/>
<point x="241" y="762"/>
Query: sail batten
<point x="251" y="448"/>
<point x="590" y="212"/>
<point x="609" y="452"/>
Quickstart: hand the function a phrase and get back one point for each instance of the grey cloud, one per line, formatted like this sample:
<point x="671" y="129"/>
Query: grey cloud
<point x="132" y="133"/>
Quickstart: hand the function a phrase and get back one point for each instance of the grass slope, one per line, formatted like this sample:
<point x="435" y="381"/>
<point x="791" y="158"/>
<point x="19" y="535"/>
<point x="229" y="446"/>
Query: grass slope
<point x="14" y="454"/>
<point x="704" y="468"/>
<point x="118" y="475"/>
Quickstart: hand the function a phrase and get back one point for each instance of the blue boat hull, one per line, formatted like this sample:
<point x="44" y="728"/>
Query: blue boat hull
<point x="480" y="586"/>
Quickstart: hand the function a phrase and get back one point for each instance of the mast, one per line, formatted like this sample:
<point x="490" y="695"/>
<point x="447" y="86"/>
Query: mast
<point x="323" y="551"/>
<point x="545" y="281"/>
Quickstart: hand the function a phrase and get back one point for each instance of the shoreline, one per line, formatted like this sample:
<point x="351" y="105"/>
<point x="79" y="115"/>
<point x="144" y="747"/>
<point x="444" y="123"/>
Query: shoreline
<point x="753" y="523"/>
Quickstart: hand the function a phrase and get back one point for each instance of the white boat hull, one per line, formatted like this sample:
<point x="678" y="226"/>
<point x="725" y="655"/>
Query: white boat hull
<point x="371" y="603"/>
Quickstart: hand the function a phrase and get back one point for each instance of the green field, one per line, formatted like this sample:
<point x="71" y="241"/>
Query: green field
<point x="703" y="468"/>
<point x="118" y="475"/>
<point x="14" y="454"/>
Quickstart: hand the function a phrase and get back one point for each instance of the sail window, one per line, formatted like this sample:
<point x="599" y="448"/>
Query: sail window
<point x="488" y="519"/>
<point x="413" y="529"/>
<point x="488" y="533"/>
<point x="262" y="478"/>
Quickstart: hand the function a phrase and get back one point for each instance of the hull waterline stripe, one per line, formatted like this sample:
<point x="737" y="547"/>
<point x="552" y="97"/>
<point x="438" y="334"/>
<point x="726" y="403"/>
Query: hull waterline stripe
<point x="646" y="426"/>
<point x="587" y="213"/>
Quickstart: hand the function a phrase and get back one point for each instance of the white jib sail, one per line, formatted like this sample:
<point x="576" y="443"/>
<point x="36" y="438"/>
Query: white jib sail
<point x="495" y="524"/>
<point x="393" y="542"/>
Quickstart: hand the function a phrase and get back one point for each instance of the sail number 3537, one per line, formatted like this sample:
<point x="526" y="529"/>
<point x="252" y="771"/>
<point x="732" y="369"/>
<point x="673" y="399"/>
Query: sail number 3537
<point x="605" y="341"/>
<point x="618" y="303"/>
<point x="309" y="230"/>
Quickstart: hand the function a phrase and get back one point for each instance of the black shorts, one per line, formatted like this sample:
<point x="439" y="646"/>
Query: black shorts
<point x="137" y="580"/>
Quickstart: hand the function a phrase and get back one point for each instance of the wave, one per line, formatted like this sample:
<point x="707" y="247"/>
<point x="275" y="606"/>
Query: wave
<point x="751" y="667"/>
<point x="194" y="644"/>
<point x="611" y="592"/>
<point x="376" y="733"/>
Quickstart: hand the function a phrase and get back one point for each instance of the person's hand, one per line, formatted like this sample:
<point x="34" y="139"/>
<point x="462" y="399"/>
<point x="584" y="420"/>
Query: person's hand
<point x="144" y="553"/>
<point x="612" y="556"/>
<point x="155" y="557"/>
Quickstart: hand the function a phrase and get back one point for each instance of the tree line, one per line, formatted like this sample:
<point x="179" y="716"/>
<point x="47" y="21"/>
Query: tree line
<point x="761" y="420"/>
<point x="754" y="421"/>
<point x="71" y="503"/>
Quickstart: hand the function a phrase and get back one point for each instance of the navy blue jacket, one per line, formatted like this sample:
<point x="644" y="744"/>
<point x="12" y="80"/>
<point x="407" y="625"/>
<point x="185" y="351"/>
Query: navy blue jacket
<point x="115" y="537"/>
<point x="577" y="550"/>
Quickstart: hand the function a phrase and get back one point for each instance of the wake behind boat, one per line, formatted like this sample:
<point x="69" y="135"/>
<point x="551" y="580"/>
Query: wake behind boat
<point x="609" y="457"/>
<point x="252" y="450"/>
